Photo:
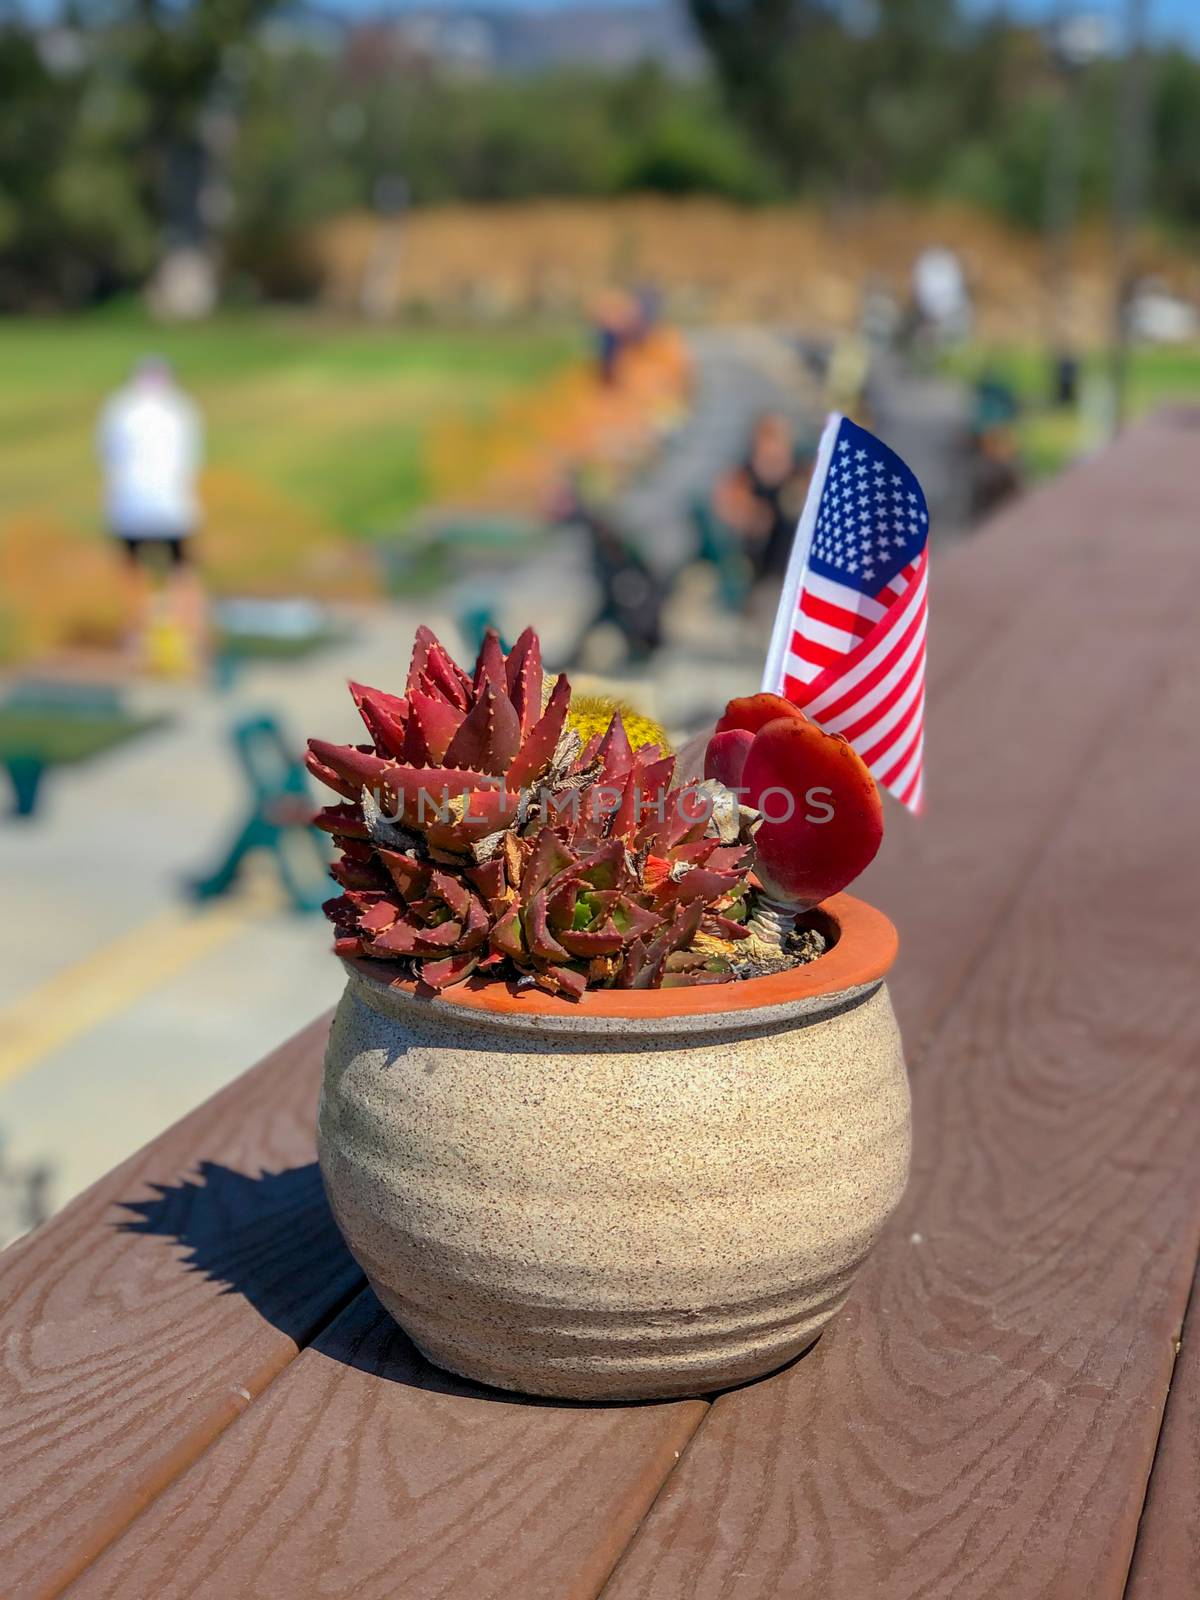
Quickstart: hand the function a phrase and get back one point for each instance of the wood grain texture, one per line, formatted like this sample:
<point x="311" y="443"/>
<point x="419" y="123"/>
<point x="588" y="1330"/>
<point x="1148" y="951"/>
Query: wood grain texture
<point x="1012" y="728"/>
<point x="1166" y="1558"/>
<point x="124" y="1351"/>
<point x="982" y="1418"/>
<point x="365" y="1473"/>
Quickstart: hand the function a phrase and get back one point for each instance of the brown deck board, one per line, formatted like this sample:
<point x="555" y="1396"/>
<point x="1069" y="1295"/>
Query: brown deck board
<point x="119" y="1363"/>
<point x="1013" y="725"/>
<point x="364" y="1473"/>
<point x="981" y="1419"/>
<point x="1166" y="1559"/>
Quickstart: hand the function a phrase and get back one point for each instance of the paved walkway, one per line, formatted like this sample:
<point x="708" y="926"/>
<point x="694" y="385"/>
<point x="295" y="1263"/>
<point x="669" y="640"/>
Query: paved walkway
<point x="121" y="1006"/>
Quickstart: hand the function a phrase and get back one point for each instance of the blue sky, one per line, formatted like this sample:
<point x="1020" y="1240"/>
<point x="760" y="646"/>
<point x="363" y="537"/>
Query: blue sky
<point x="1171" y="19"/>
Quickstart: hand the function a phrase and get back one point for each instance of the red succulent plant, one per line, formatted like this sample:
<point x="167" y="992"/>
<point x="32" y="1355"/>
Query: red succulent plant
<point x="478" y="834"/>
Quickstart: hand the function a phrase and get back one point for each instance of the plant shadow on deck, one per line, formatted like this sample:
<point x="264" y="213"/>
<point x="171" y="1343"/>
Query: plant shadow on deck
<point x="272" y="1239"/>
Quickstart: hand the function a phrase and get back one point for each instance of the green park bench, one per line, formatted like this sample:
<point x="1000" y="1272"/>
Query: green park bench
<point x="249" y="630"/>
<point x="49" y="722"/>
<point x="278" y="819"/>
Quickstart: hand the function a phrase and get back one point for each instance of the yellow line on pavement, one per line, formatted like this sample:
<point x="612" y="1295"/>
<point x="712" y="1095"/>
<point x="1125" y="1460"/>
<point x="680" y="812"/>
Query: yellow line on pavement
<point x="113" y="977"/>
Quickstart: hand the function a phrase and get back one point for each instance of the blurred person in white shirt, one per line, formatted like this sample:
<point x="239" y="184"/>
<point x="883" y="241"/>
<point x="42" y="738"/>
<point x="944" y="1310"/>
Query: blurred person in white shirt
<point x="150" y="444"/>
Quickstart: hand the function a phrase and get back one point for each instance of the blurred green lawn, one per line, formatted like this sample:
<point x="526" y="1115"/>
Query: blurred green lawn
<point x="330" y="415"/>
<point x="1049" y="438"/>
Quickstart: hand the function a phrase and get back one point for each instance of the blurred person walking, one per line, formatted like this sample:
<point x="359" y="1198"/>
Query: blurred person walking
<point x="150" y="444"/>
<point x="761" y="497"/>
<point x="631" y="595"/>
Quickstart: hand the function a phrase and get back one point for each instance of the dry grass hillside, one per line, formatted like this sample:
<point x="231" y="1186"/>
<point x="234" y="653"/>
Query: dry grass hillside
<point x="718" y="261"/>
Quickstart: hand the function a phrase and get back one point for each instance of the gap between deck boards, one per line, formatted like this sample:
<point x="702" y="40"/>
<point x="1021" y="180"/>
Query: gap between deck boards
<point x="1164" y="1422"/>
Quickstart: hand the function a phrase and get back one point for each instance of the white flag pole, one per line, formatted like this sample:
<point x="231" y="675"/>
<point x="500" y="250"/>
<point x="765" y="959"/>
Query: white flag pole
<point x="785" y="617"/>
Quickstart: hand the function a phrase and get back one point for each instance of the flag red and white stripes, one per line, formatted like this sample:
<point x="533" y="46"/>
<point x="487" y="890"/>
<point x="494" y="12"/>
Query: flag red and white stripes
<point x="848" y="645"/>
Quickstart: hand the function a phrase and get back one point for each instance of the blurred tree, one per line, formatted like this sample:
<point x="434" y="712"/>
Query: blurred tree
<point x="169" y="126"/>
<point x="857" y="98"/>
<point x="1175" y="138"/>
<point x="185" y="60"/>
<point x="72" y="224"/>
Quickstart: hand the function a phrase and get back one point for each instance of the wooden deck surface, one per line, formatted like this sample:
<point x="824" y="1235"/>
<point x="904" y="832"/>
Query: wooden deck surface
<point x="198" y="1397"/>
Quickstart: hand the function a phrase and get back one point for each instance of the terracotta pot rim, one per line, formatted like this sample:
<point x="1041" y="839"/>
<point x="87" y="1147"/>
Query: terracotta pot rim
<point x="863" y="949"/>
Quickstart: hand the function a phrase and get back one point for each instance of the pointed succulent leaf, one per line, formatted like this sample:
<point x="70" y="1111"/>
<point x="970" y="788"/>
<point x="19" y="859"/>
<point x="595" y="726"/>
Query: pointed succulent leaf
<point x="655" y="781"/>
<point x="549" y="857"/>
<point x="455" y="894"/>
<point x="491" y="882"/>
<point x="437" y="721"/>
<point x="471" y="816"/>
<point x="325" y="774"/>
<point x="448" y="970"/>
<point x="378" y="917"/>
<point x="523" y="677"/>
<point x="384" y="716"/>
<point x="631" y="968"/>
<point x="356" y="874"/>
<point x="423" y="641"/>
<point x="442" y="935"/>
<point x="351" y="765"/>
<point x="541" y="941"/>
<point x="602" y="867"/>
<point x="433" y="663"/>
<point x="345" y="822"/>
<point x="490" y="734"/>
<point x="563" y="980"/>
<point x="626" y="818"/>
<point x="355" y="849"/>
<point x="444" y="676"/>
<point x="476" y="925"/>
<point x="489" y="664"/>
<point x="679" y="932"/>
<point x="401" y="939"/>
<point x="407" y="872"/>
<point x="634" y="921"/>
<point x="615" y="751"/>
<point x="419" y="796"/>
<point x="603" y="941"/>
<point x="341" y="911"/>
<point x="701" y="883"/>
<point x="508" y="937"/>
<point x="540" y="743"/>
<point x="560" y="904"/>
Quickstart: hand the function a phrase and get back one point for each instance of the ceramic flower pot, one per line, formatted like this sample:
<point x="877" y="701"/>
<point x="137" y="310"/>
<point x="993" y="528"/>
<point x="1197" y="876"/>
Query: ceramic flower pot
<point x="644" y="1193"/>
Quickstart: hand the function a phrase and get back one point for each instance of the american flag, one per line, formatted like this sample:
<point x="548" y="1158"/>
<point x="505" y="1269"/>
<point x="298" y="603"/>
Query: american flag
<point x="848" y="645"/>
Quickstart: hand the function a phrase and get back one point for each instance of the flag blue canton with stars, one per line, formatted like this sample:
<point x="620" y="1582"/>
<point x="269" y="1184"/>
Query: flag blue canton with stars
<point x="872" y="520"/>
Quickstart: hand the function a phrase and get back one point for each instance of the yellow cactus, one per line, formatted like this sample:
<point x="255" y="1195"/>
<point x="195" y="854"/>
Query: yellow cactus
<point x="591" y="714"/>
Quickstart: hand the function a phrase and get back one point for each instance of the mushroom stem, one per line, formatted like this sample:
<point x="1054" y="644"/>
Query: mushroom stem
<point x="772" y="920"/>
